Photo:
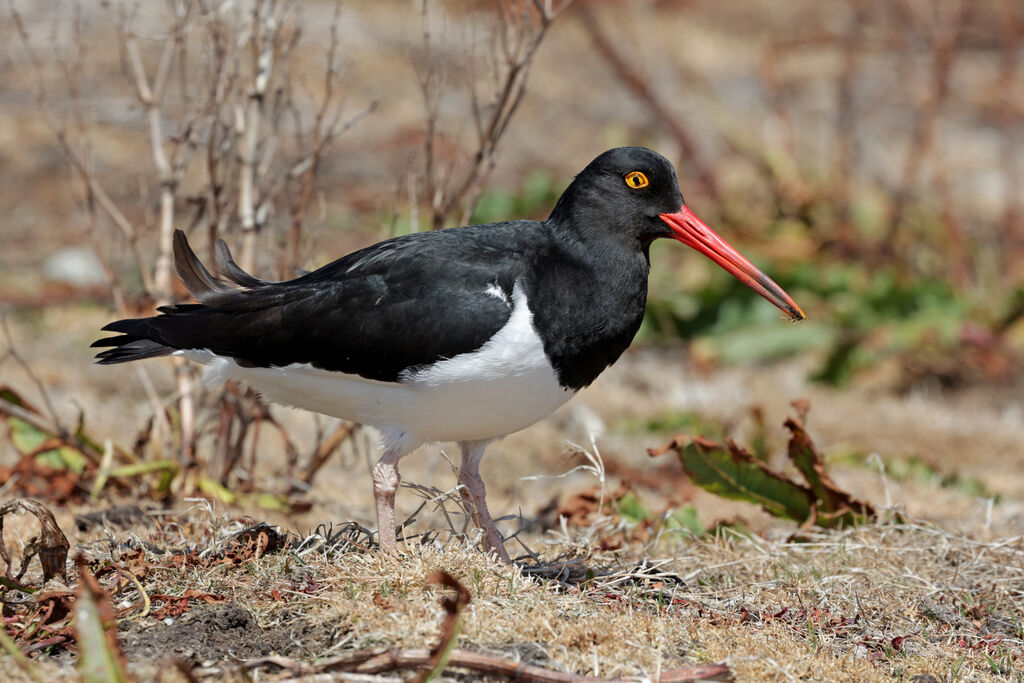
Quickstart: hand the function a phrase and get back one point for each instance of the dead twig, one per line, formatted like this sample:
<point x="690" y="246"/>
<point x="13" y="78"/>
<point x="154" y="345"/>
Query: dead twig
<point x="266" y="18"/>
<point x="450" y="626"/>
<point x="943" y="52"/>
<point x="519" y="32"/>
<point x="846" y="119"/>
<point x="637" y="83"/>
<point x="379" y="660"/>
<point x="150" y="92"/>
<point x="325" y="448"/>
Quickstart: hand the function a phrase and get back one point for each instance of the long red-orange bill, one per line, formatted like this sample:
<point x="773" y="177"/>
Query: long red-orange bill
<point x="693" y="232"/>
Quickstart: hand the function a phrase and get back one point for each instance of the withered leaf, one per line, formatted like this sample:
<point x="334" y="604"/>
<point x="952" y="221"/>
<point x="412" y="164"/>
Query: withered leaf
<point x="51" y="545"/>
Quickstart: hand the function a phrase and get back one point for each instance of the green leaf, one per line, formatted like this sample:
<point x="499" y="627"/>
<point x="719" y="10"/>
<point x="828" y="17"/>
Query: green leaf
<point x="273" y="501"/>
<point x="217" y="490"/>
<point x="686" y="518"/>
<point x="632" y="509"/>
<point x="139" y="468"/>
<point x="97" y="660"/>
<point x="28" y="438"/>
<point x="25" y="437"/>
<point x="733" y="473"/>
<point x="63" y="458"/>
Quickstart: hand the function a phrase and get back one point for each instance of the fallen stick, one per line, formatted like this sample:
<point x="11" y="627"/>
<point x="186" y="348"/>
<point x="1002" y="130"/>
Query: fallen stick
<point x="380" y="660"/>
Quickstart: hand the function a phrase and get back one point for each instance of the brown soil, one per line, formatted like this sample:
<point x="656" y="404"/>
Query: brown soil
<point x="211" y="634"/>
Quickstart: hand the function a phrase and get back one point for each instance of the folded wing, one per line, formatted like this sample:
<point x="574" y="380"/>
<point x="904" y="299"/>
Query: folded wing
<point x="399" y="304"/>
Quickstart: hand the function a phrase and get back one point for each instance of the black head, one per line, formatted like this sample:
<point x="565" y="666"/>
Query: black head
<point x="623" y="191"/>
<point x="630" y="196"/>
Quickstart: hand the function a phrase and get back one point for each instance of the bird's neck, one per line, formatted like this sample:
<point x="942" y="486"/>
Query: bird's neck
<point x="610" y="276"/>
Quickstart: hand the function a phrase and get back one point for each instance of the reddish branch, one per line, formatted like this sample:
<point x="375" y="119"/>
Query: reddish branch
<point x="520" y="31"/>
<point x="638" y="85"/>
<point x="1007" y="117"/>
<point x="379" y="660"/>
<point x="326" y="447"/>
<point x="846" y="125"/>
<point x="943" y="47"/>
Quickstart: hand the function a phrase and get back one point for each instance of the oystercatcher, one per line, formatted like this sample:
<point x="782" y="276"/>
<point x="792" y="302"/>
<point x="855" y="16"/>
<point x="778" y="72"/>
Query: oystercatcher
<point x="464" y="335"/>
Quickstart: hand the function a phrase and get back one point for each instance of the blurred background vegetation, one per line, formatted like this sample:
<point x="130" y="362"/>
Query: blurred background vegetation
<point x="866" y="154"/>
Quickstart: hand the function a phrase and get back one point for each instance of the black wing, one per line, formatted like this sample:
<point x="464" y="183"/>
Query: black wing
<point x="399" y="304"/>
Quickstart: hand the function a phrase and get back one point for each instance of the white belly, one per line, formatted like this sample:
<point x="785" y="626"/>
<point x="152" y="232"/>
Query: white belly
<point x="504" y="386"/>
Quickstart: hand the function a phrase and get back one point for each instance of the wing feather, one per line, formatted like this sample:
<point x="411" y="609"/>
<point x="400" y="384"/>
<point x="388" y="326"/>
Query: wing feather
<point x="403" y="303"/>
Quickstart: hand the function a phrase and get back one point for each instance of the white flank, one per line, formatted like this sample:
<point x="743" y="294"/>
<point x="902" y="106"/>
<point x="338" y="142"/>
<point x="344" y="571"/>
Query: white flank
<point x="504" y="386"/>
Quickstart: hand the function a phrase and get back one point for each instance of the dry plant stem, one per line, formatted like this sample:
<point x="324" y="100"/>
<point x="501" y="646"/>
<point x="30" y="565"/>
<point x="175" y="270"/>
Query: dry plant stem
<point x="379" y="660"/>
<point x="846" y="120"/>
<point x="247" y="127"/>
<point x="1012" y="38"/>
<point x="519" y="35"/>
<point x="12" y="353"/>
<point x="325" y="448"/>
<point x="943" y="47"/>
<point x="957" y="254"/>
<point x="450" y="626"/>
<point x="638" y="85"/>
<point x="150" y="97"/>
<point x="150" y="94"/>
<point x="53" y="425"/>
<point x="78" y="158"/>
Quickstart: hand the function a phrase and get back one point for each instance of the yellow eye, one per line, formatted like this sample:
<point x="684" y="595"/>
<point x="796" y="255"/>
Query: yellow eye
<point x="636" y="180"/>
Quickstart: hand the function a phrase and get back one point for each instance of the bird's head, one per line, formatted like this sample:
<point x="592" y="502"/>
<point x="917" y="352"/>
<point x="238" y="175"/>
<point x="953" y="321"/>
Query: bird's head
<point x="635" y="193"/>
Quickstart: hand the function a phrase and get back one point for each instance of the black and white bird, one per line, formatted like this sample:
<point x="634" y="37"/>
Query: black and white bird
<point x="461" y="335"/>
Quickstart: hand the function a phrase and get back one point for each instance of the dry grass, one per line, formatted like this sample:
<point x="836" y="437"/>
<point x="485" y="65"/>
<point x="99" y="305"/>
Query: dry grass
<point x="881" y="602"/>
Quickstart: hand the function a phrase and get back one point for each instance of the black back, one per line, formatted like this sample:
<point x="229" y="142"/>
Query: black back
<point x="413" y="300"/>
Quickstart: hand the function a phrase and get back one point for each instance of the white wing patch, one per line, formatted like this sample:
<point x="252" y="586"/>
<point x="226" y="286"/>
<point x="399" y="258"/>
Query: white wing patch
<point x="494" y="290"/>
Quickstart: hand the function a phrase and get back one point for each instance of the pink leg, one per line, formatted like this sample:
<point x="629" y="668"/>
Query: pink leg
<point x="385" y="483"/>
<point x="474" y="493"/>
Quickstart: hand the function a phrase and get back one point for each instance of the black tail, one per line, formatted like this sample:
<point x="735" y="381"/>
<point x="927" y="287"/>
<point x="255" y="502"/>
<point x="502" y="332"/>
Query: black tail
<point x="128" y="348"/>
<point x="147" y="337"/>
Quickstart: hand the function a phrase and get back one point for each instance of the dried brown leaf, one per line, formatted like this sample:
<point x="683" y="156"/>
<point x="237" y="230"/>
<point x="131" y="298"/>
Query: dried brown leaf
<point x="450" y="625"/>
<point x="51" y="545"/>
<point x="834" y="503"/>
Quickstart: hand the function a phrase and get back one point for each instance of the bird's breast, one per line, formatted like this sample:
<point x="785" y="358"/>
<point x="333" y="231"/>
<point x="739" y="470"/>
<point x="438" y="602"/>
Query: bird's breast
<point x="586" y="316"/>
<point x="504" y="386"/>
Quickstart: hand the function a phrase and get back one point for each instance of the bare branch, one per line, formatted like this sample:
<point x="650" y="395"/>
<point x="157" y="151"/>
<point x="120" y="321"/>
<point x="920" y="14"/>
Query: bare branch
<point x="247" y="124"/>
<point x="638" y="84"/>
<point x="943" y="47"/>
<point x="79" y="162"/>
<point x="517" y="36"/>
